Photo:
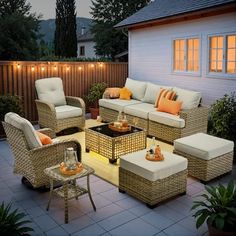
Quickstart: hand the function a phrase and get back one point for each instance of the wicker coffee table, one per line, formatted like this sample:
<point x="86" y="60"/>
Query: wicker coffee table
<point x="69" y="189"/>
<point x="111" y="144"/>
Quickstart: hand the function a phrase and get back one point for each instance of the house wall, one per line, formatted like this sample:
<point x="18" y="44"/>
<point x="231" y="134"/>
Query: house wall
<point x="150" y="55"/>
<point x="89" y="50"/>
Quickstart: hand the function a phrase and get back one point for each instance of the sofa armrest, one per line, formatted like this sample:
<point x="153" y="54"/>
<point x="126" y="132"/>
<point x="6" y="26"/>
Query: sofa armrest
<point x="76" y="102"/>
<point x="46" y="110"/>
<point x="198" y="115"/>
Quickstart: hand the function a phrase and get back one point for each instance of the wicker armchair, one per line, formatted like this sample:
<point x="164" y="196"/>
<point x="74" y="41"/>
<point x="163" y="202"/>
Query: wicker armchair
<point x="55" y="110"/>
<point x="30" y="163"/>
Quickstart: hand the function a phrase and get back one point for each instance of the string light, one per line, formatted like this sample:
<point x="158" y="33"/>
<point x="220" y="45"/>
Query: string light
<point x="32" y="68"/>
<point x="100" y="64"/>
<point x="67" y="68"/>
<point x="43" y="68"/>
<point x="80" y="68"/>
<point x="92" y="65"/>
<point x="55" y="68"/>
<point x="18" y="66"/>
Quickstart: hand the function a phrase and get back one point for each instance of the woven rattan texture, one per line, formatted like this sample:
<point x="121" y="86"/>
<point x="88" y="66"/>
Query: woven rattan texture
<point x="206" y="170"/>
<point x="31" y="163"/>
<point x="114" y="147"/>
<point x="152" y="192"/>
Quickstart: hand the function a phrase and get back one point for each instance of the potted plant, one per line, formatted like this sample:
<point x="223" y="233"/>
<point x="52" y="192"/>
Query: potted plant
<point x="12" y="222"/>
<point x="9" y="103"/>
<point x="94" y="94"/>
<point x="218" y="209"/>
<point x="222" y="120"/>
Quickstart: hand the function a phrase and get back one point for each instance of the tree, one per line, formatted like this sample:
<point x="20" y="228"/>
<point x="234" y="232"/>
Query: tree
<point x="107" y="13"/>
<point x="18" y="31"/>
<point x="65" y="39"/>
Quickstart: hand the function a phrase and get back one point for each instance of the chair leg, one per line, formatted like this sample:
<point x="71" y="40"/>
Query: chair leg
<point x="26" y="183"/>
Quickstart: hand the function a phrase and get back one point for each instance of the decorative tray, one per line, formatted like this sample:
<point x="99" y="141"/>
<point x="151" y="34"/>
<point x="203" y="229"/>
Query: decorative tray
<point x="119" y="129"/>
<point x="64" y="171"/>
<point x="154" y="157"/>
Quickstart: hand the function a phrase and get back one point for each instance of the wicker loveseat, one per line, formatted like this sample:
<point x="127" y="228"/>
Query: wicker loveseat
<point x="167" y="127"/>
<point x="31" y="157"/>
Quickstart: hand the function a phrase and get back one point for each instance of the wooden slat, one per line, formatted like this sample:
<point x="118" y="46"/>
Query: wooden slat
<point x="21" y="81"/>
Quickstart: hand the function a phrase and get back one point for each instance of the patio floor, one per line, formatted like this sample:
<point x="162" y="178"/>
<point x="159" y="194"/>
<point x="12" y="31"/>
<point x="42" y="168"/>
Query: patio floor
<point x="117" y="213"/>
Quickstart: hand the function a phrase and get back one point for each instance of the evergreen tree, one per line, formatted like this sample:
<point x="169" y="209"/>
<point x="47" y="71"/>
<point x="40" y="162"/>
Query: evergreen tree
<point x="107" y="13"/>
<point x="18" y="31"/>
<point x="65" y="39"/>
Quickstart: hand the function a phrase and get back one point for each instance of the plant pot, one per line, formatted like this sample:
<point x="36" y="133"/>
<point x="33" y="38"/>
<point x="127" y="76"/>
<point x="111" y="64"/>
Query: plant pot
<point x="216" y="232"/>
<point x="94" y="112"/>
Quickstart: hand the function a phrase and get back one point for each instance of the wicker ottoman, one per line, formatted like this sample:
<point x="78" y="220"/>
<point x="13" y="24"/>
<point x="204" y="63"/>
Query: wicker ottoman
<point x="208" y="156"/>
<point x="152" y="182"/>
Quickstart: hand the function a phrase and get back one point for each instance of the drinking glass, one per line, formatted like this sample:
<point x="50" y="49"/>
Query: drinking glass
<point x="135" y="122"/>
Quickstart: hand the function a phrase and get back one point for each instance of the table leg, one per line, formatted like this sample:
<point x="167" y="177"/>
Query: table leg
<point x="76" y="190"/>
<point x="50" y="194"/>
<point x="65" y="188"/>
<point x="89" y="193"/>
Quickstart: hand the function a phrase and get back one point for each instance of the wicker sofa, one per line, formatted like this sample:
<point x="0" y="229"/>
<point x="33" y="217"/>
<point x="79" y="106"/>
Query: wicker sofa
<point x="164" y="126"/>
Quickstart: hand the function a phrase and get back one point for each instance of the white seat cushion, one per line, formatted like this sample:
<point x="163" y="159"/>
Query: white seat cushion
<point x="137" y="163"/>
<point x="67" y="111"/>
<point x="167" y="119"/>
<point x="140" y="110"/>
<point x="137" y="88"/>
<point x="190" y="99"/>
<point x="116" y="104"/>
<point x="51" y="90"/>
<point x="203" y="146"/>
<point x="26" y="127"/>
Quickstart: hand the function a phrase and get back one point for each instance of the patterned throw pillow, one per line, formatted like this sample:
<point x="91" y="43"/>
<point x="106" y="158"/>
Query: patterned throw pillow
<point x="165" y="93"/>
<point x="113" y="92"/>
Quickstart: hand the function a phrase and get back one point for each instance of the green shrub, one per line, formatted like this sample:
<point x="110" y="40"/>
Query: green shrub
<point x="10" y="103"/>
<point x="12" y="222"/>
<point x="222" y="121"/>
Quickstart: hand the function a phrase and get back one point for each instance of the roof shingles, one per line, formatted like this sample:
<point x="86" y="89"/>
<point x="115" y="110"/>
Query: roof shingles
<point x="166" y="8"/>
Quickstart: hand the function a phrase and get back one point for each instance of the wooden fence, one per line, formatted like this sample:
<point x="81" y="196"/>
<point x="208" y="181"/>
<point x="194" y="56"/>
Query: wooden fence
<point x="18" y="78"/>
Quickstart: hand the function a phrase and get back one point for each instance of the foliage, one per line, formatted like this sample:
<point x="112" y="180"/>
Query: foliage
<point x="10" y="103"/>
<point x="218" y="207"/>
<point x="56" y="58"/>
<point x="18" y="31"/>
<point x="107" y="13"/>
<point x="12" y="222"/>
<point x="95" y="93"/>
<point x="222" y="121"/>
<point x="65" y="39"/>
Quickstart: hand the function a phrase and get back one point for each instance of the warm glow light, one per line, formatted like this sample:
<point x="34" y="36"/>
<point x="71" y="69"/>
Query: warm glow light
<point x="80" y="68"/>
<point x="92" y="65"/>
<point x="18" y="66"/>
<point x="100" y="64"/>
<point x="55" y="67"/>
<point x="67" y="68"/>
<point x="32" y="68"/>
<point x="43" y="68"/>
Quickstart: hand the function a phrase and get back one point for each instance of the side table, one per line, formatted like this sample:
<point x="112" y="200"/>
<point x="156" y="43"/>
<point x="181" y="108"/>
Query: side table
<point x="69" y="188"/>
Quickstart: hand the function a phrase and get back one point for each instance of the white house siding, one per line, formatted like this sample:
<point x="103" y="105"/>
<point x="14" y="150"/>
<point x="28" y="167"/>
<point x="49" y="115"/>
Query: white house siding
<point x="150" y="55"/>
<point x="89" y="49"/>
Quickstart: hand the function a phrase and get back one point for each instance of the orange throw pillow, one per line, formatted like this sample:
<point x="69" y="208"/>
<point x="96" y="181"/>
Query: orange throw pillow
<point x="165" y="93"/>
<point x="113" y="92"/>
<point x="172" y="107"/>
<point x="125" y="93"/>
<point x="44" y="138"/>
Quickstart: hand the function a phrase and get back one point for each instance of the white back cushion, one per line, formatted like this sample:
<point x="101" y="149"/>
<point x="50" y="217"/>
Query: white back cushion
<point x="137" y="88"/>
<point x="26" y="127"/>
<point x="190" y="99"/>
<point x="151" y="93"/>
<point x="51" y="90"/>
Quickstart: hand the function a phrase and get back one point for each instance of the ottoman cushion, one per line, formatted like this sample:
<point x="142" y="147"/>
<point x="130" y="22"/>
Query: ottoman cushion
<point x="203" y="146"/>
<point x="153" y="170"/>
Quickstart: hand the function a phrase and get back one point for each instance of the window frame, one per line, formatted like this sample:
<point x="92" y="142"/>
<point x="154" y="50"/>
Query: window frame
<point x="185" y="72"/>
<point x="82" y="55"/>
<point x="223" y="74"/>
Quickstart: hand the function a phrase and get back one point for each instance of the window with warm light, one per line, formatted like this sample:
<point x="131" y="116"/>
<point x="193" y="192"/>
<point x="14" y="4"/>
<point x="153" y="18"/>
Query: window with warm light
<point x="222" y="54"/>
<point x="186" y="55"/>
